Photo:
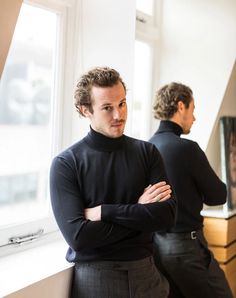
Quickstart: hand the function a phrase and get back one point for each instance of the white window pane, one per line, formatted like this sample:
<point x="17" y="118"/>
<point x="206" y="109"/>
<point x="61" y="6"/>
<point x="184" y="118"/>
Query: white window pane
<point x="145" y="6"/>
<point x="142" y="86"/>
<point x="26" y="90"/>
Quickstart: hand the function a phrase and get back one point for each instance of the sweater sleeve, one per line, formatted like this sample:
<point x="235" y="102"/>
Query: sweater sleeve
<point x="211" y="188"/>
<point x="145" y="217"/>
<point x="68" y="209"/>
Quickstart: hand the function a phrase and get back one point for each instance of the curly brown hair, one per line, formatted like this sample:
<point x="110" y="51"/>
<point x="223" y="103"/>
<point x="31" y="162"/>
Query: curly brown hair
<point x="167" y="98"/>
<point x="98" y="77"/>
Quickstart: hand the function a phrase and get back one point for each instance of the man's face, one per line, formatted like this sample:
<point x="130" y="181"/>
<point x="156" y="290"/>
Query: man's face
<point x="187" y="117"/>
<point x="109" y="110"/>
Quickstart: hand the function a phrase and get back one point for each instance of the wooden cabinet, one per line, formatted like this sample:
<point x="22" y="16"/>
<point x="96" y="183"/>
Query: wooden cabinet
<point x="220" y="232"/>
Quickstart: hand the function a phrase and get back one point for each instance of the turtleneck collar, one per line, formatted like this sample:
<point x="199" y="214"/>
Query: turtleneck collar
<point x="170" y="126"/>
<point x="101" y="142"/>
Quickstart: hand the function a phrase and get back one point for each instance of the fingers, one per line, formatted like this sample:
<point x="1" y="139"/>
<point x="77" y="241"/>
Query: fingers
<point x="152" y="188"/>
<point x="165" y="198"/>
<point x="93" y="214"/>
<point x="159" y="192"/>
<point x="165" y="195"/>
<point x="148" y="187"/>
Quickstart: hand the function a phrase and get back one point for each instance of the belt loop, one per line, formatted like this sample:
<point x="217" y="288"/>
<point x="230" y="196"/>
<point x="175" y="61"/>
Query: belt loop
<point x="193" y="235"/>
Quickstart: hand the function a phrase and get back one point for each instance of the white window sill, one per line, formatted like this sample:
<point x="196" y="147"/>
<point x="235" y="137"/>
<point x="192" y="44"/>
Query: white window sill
<point x="218" y="212"/>
<point x="24" y="268"/>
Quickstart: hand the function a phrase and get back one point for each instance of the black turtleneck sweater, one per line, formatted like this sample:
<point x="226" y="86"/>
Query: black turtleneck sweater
<point x="112" y="173"/>
<point x="190" y="174"/>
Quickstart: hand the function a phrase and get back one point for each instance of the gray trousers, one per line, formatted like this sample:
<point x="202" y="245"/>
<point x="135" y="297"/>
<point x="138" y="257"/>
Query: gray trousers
<point x="190" y="266"/>
<point x="133" y="279"/>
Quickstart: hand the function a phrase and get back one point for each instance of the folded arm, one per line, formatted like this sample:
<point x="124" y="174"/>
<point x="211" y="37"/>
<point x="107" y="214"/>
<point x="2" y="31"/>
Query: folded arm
<point x="158" y="192"/>
<point x="212" y="189"/>
<point x="155" y="209"/>
<point x="68" y="209"/>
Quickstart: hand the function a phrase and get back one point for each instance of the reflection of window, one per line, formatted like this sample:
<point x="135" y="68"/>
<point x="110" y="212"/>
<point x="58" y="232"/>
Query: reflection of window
<point x="142" y="89"/>
<point x="147" y="35"/>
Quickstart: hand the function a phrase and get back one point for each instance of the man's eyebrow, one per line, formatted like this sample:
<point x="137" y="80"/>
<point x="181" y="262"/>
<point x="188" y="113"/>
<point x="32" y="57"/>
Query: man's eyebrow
<point x="106" y="104"/>
<point x="110" y="104"/>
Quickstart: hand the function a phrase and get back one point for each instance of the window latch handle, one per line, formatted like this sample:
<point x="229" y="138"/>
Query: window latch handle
<point x="140" y="19"/>
<point x="26" y="238"/>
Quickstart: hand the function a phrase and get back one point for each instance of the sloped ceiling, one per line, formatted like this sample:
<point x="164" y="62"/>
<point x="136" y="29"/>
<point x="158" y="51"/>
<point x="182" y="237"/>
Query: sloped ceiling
<point x="9" y="11"/>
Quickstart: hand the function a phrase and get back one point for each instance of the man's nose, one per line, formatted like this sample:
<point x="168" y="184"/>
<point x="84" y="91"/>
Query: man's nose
<point x="116" y="114"/>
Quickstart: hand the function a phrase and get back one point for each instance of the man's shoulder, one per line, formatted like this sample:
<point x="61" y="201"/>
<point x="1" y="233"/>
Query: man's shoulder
<point x="185" y="145"/>
<point x="138" y="143"/>
<point x="176" y="140"/>
<point x="189" y="143"/>
<point x="142" y="148"/>
<point x="70" y="152"/>
<point x="173" y="142"/>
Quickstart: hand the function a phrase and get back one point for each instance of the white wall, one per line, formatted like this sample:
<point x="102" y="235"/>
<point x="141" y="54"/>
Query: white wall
<point x="198" y="48"/>
<point x="107" y="34"/>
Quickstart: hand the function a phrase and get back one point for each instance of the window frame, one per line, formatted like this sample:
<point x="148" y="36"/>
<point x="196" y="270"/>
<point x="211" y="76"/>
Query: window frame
<point x="61" y="120"/>
<point x="148" y="31"/>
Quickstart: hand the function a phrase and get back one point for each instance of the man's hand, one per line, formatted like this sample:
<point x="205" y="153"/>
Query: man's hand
<point x="158" y="192"/>
<point x="93" y="214"/>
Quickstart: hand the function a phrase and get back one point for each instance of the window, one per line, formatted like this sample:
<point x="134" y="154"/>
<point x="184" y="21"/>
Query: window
<point x="142" y="89"/>
<point x="146" y="14"/>
<point x="145" y="6"/>
<point x="146" y="43"/>
<point x="30" y="105"/>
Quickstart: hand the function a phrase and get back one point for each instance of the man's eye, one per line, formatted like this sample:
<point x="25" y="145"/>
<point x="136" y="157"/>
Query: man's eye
<point x="122" y="104"/>
<point x="108" y="108"/>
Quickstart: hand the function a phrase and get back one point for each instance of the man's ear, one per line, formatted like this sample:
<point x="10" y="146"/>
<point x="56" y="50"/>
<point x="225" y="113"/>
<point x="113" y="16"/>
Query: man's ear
<point x="85" y="111"/>
<point x="181" y="106"/>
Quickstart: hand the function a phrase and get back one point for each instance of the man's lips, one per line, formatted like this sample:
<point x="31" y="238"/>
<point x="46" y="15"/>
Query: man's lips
<point x="117" y="124"/>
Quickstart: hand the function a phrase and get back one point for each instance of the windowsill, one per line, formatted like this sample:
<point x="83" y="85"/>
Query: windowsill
<point x="218" y="212"/>
<point x="24" y="268"/>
